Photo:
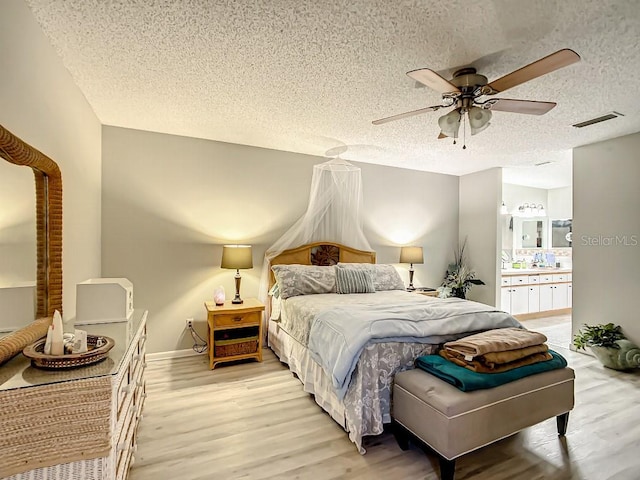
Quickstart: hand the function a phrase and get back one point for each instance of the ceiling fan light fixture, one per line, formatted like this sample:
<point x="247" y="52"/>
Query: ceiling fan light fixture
<point x="478" y="119"/>
<point x="450" y="123"/>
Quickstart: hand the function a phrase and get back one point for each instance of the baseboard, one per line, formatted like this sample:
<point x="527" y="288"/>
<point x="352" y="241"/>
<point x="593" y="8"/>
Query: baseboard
<point x="546" y="313"/>
<point x="188" y="352"/>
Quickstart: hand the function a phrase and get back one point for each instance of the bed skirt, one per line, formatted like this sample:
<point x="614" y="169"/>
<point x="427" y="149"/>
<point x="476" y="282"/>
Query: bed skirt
<point x="367" y="404"/>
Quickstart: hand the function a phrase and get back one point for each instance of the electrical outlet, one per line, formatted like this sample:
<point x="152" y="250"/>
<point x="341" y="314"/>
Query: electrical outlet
<point x="189" y="323"/>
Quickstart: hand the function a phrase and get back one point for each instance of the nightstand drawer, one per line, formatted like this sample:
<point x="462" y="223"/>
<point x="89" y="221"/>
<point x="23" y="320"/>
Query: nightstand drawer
<point x="235" y="319"/>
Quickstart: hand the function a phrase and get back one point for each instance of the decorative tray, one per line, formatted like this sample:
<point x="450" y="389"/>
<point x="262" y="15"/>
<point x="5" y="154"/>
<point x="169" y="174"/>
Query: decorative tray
<point x="35" y="352"/>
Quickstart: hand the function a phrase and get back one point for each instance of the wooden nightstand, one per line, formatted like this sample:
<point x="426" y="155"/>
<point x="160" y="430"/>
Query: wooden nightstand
<point x="234" y="331"/>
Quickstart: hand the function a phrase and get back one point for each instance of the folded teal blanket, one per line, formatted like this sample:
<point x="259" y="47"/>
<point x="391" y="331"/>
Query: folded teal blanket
<point x="467" y="380"/>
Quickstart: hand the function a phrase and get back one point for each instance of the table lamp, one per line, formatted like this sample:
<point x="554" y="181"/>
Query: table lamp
<point x="411" y="255"/>
<point x="237" y="257"/>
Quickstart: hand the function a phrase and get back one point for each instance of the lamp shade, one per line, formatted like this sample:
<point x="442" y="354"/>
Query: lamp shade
<point x="450" y="123"/>
<point x="411" y="255"/>
<point x="236" y="257"/>
<point x="478" y="119"/>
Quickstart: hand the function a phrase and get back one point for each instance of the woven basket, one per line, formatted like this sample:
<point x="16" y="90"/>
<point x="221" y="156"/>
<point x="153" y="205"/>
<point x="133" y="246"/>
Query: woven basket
<point x="95" y="354"/>
<point x="236" y="346"/>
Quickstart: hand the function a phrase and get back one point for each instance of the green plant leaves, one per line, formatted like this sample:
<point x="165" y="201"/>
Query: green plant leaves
<point x="598" y="336"/>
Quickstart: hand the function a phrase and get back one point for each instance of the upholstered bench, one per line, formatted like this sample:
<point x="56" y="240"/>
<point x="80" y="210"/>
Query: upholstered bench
<point x="453" y="422"/>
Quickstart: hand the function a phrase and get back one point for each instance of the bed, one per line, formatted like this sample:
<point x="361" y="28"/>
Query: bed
<point x="346" y="347"/>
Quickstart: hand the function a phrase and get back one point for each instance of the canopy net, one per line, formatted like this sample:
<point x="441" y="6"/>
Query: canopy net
<point x="334" y="214"/>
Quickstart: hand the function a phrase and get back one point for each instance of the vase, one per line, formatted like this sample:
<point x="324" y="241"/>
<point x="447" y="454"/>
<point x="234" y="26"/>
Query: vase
<point x="624" y="358"/>
<point x="458" y="292"/>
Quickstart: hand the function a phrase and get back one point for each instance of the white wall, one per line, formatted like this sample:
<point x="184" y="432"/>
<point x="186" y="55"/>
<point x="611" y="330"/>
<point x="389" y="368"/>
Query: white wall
<point x="42" y="105"/>
<point x="516" y="195"/>
<point x="606" y="234"/>
<point x="407" y="207"/>
<point x="560" y="203"/>
<point x="480" y="222"/>
<point x="170" y="203"/>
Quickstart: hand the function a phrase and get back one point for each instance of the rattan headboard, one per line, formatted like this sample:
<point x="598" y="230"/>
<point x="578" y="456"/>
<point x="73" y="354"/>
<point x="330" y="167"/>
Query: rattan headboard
<point x="321" y="253"/>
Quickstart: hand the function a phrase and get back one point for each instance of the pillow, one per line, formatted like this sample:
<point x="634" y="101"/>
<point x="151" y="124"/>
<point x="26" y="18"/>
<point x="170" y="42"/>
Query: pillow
<point x="274" y="291"/>
<point x="294" y="280"/>
<point x="350" y="280"/>
<point x="385" y="277"/>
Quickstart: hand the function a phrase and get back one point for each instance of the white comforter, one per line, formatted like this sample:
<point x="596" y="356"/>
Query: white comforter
<point x="338" y="335"/>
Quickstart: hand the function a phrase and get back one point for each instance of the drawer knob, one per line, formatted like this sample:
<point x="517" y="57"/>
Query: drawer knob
<point x="237" y="319"/>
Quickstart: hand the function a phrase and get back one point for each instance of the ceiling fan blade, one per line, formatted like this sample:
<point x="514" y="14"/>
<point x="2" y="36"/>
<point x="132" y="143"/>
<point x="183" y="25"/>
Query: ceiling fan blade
<point x="529" y="107"/>
<point x="405" y="115"/>
<point x="432" y="80"/>
<point x="559" y="59"/>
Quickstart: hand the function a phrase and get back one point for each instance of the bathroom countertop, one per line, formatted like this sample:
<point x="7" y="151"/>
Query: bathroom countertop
<point x="534" y="270"/>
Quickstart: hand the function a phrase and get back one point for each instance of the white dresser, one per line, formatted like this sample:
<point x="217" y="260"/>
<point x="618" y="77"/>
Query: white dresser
<point x="77" y="424"/>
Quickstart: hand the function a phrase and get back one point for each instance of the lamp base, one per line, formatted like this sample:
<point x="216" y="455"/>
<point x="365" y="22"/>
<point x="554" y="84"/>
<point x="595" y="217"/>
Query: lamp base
<point x="237" y="298"/>
<point x="411" y="288"/>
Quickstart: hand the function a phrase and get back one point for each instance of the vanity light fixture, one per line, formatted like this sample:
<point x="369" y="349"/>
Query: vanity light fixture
<point x="531" y="210"/>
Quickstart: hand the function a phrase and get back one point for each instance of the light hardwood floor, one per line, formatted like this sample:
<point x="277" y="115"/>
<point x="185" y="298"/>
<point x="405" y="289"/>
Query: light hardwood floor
<point x="253" y="421"/>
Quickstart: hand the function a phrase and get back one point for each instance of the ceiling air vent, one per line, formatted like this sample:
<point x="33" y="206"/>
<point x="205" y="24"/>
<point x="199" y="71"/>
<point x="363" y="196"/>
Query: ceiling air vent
<point x="603" y="118"/>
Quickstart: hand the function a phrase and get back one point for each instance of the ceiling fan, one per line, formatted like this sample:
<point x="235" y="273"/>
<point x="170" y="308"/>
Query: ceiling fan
<point x="467" y="88"/>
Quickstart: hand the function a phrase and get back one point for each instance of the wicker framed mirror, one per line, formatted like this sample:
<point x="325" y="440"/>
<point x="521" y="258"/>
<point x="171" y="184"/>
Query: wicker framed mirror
<point x="48" y="189"/>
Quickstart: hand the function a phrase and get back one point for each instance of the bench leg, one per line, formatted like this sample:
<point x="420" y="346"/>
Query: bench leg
<point x="401" y="435"/>
<point x="562" y="422"/>
<point x="447" y="469"/>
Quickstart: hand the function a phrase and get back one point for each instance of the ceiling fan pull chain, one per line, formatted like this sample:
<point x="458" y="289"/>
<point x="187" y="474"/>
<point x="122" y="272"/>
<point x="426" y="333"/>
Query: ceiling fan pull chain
<point x="464" y="133"/>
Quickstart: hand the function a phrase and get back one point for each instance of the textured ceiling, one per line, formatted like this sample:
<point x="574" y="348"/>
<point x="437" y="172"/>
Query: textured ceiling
<point x="306" y="76"/>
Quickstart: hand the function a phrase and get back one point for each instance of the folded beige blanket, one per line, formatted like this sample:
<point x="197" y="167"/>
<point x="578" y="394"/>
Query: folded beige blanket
<point x="480" y="367"/>
<point x="490" y="359"/>
<point x="493" y="361"/>
<point x="498" y="340"/>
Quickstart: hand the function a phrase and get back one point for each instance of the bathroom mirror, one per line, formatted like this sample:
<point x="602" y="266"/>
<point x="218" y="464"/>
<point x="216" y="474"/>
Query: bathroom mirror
<point x="530" y="233"/>
<point x="48" y="275"/>
<point x="561" y="233"/>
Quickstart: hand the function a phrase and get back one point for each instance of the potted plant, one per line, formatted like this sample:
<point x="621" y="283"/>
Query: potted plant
<point x="459" y="277"/>
<point x="609" y="345"/>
